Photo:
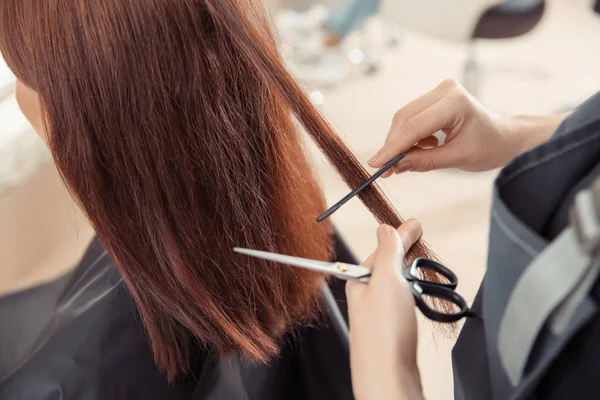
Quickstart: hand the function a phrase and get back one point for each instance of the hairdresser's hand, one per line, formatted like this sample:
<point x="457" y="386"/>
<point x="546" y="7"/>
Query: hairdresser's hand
<point x="383" y="327"/>
<point x="477" y="139"/>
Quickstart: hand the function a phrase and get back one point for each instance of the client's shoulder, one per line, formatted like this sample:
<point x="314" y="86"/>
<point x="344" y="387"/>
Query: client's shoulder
<point x="94" y="346"/>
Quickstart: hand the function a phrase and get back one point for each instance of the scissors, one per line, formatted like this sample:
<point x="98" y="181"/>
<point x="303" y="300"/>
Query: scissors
<point x="421" y="289"/>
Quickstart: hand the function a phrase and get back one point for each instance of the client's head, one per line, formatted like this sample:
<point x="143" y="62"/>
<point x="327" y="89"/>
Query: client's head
<point x="172" y="124"/>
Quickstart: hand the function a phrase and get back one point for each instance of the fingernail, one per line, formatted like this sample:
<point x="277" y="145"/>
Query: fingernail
<point x="374" y="158"/>
<point x="384" y="231"/>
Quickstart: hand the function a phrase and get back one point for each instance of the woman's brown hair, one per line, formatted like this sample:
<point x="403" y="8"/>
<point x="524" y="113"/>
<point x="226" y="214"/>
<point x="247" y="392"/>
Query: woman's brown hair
<point x="172" y="123"/>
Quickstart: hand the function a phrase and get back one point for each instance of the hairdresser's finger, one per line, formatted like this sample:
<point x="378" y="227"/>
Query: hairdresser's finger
<point x="355" y="290"/>
<point x="388" y="173"/>
<point x="369" y="261"/>
<point x="401" y="167"/>
<point x="443" y="157"/>
<point x="403" y="230"/>
<point x="389" y="250"/>
<point x="441" y="115"/>
<point x="428" y="143"/>
<point x="413" y="108"/>
<point x="393" y="245"/>
<point x="416" y="106"/>
<point x="398" y="123"/>
<point x="388" y="258"/>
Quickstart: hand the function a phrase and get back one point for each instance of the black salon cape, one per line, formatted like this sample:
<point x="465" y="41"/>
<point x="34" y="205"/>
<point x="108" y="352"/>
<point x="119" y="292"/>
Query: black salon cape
<point x="95" y="348"/>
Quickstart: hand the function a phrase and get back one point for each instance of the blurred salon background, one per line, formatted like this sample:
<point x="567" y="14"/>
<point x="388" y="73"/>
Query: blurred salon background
<point x="361" y="60"/>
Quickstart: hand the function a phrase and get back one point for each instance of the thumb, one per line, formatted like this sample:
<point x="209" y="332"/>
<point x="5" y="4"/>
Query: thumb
<point x="393" y="245"/>
<point x="390" y="253"/>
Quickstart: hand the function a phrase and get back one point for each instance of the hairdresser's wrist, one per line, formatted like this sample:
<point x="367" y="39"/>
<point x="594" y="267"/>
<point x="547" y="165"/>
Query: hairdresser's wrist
<point x="394" y="383"/>
<point x="410" y="383"/>
<point x="532" y="131"/>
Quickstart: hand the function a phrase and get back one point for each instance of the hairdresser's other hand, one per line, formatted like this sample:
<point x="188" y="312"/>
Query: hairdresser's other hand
<point x="477" y="139"/>
<point x="383" y="327"/>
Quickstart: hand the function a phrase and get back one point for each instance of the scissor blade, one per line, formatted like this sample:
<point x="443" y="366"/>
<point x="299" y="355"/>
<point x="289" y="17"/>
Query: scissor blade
<point x="306" y="263"/>
<point x="347" y="271"/>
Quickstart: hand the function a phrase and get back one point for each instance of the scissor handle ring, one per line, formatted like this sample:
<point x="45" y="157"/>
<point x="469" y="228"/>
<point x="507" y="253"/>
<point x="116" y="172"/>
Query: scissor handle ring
<point x="412" y="273"/>
<point x="443" y="293"/>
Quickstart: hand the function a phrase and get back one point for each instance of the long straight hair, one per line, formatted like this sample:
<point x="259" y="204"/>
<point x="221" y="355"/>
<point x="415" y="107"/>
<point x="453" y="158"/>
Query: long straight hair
<point x="173" y="123"/>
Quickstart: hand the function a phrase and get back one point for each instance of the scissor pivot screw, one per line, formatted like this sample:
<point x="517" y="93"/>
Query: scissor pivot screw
<point x="343" y="267"/>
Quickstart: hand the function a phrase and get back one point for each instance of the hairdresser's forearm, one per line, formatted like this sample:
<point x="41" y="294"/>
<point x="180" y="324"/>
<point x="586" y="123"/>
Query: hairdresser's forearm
<point x="532" y="131"/>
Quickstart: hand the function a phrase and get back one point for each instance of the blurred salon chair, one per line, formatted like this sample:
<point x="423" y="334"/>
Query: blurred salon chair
<point x="7" y="82"/>
<point x="466" y="22"/>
